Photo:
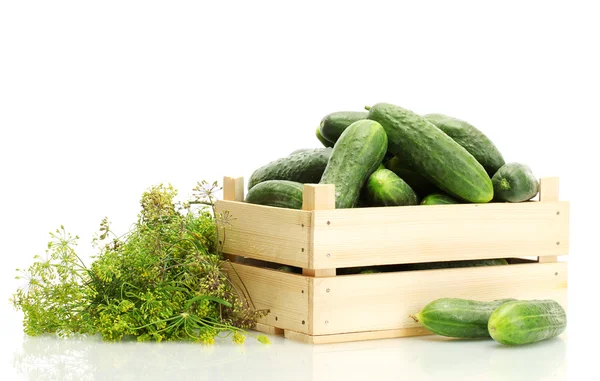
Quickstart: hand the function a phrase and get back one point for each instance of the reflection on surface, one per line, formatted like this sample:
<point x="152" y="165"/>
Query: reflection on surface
<point x="419" y="358"/>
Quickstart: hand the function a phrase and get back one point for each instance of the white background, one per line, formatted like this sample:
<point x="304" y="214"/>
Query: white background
<point x="100" y="100"/>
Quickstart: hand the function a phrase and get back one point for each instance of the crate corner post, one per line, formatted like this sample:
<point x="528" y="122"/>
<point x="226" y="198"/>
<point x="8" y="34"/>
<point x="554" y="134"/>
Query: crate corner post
<point x="548" y="192"/>
<point x="233" y="188"/>
<point x="317" y="197"/>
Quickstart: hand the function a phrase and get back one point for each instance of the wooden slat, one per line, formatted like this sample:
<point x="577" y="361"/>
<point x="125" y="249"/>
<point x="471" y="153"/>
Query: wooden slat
<point x="318" y="273"/>
<point x="266" y="233"/>
<point x="233" y="188"/>
<point x="374" y="302"/>
<point x="284" y="294"/>
<point x="268" y="329"/>
<point x="355" y="336"/>
<point x="409" y="234"/>
<point x="549" y="189"/>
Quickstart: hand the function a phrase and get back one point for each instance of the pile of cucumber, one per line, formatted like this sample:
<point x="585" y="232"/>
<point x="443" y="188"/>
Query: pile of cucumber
<point x="508" y="321"/>
<point x="391" y="156"/>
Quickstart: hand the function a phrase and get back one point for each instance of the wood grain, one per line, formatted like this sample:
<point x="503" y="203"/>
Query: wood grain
<point x="410" y="234"/>
<point x="355" y="336"/>
<point x="319" y="273"/>
<point x="284" y="294"/>
<point x="318" y="197"/>
<point x="266" y="233"/>
<point x="268" y="329"/>
<point x="233" y="188"/>
<point x="374" y="302"/>
<point x="549" y="189"/>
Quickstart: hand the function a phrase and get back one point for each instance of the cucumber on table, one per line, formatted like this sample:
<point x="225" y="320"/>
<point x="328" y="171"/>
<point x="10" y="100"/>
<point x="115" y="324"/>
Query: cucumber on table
<point x="472" y="139"/>
<point x="303" y="166"/>
<point x="385" y="188"/>
<point x="357" y="153"/>
<point x="460" y="318"/>
<point x="433" y="154"/>
<point x="515" y="182"/>
<point x="527" y="321"/>
<point x="438" y="199"/>
<point x="279" y="193"/>
<point x="333" y="125"/>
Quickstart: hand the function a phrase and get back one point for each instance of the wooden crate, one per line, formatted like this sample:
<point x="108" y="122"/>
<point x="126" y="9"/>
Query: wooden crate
<point x="319" y="307"/>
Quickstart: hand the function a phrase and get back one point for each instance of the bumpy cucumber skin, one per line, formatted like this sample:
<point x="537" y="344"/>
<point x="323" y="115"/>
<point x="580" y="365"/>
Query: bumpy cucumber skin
<point x="454" y="264"/>
<point x="433" y="153"/>
<point x="323" y="141"/>
<point x="305" y="150"/>
<point x="460" y="318"/>
<point x="417" y="182"/>
<point x="385" y="188"/>
<point x="357" y="153"/>
<point x="303" y="166"/>
<point x="333" y="125"/>
<point x="438" y="199"/>
<point x="279" y="193"/>
<point x="472" y="139"/>
<point x="515" y="182"/>
<point x="527" y="321"/>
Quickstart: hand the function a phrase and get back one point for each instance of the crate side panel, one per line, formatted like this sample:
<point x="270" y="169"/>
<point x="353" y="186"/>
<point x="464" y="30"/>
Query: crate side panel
<point x="266" y="233"/>
<point x="410" y="234"/>
<point x="284" y="294"/>
<point x="384" y="301"/>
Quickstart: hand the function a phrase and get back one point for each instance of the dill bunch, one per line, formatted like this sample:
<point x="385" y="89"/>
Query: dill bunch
<point x="160" y="281"/>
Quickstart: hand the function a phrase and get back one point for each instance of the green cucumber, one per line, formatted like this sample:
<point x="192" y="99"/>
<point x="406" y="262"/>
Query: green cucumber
<point x="305" y="150"/>
<point x="279" y="193"/>
<point x="332" y="125"/>
<point x="303" y="166"/>
<point x="323" y="141"/>
<point x="417" y="182"/>
<point x="433" y="154"/>
<point x="385" y="188"/>
<point x="472" y="139"/>
<point x="455" y="317"/>
<point x="369" y="271"/>
<point x="454" y="264"/>
<point x="515" y="182"/>
<point x="438" y="199"/>
<point x="527" y="321"/>
<point x="357" y="153"/>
